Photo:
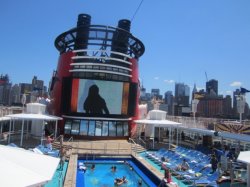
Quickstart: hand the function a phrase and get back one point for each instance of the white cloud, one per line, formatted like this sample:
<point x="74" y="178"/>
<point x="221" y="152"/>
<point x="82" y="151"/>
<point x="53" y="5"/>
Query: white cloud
<point x="156" y="78"/>
<point x="236" y="84"/>
<point x="169" y="81"/>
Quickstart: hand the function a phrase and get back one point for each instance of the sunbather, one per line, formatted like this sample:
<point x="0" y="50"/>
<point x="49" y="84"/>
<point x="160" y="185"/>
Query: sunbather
<point x="183" y="166"/>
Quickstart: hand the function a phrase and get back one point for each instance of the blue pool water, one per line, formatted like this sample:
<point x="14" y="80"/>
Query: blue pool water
<point x="58" y="178"/>
<point x="102" y="175"/>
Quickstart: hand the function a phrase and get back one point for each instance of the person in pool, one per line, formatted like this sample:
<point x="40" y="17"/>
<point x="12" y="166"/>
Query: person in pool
<point x="82" y="167"/>
<point x="92" y="167"/>
<point x="113" y="168"/>
<point x="120" y="181"/>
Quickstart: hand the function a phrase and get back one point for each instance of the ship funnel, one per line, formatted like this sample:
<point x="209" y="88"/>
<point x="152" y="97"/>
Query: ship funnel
<point x="120" y="38"/>
<point x="124" y="24"/>
<point x="82" y="33"/>
<point x="83" y="20"/>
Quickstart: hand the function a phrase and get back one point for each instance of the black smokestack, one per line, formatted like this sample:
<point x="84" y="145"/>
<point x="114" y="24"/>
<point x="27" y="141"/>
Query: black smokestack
<point x="82" y="33"/>
<point x="124" y="24"/>
<point x="120" y="37"/>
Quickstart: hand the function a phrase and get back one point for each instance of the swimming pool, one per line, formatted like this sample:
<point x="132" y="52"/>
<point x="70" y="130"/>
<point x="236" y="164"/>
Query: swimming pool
<point x="103" y="176"/>
<point x="58" y="178"/>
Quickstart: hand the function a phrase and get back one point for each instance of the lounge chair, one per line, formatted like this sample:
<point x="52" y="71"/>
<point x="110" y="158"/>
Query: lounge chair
<point x="47" y="151"/>
<point x="207" y="180"/>
<point x="191" y="178"/>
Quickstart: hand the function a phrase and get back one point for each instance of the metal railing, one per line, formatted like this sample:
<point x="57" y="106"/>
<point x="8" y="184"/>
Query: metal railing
<point x="133" y="146"/>
<point x="88" y="148"/>
<point x="142" y="142"/>
<point x="58" y="138"/>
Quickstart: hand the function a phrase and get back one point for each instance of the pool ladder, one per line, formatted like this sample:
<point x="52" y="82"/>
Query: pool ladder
<point x="87" y="156"/>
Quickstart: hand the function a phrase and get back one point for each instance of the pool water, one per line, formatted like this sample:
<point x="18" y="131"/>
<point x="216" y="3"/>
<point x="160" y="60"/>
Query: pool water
<point x="103" y="176"/>
<point x="58" y="178"/>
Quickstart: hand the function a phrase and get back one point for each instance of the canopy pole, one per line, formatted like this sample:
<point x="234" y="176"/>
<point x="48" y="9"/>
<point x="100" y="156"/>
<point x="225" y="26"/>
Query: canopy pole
<point x="144" y="132"/>
<point x="21" y="141"/>
<point x="56" y="129"/>
<point x="154" y="138"/>
<point x="248" y="174"/>
<point x="27" y="129"/>
<point x="169" y="138"/>
<point x="159" y="128"/>
<point x="1" y="128"/>
<point x="177" y="133"/>
<point x="9" y="131"/>
<point x="140" y="127"/>
<point x="42" y="133"/>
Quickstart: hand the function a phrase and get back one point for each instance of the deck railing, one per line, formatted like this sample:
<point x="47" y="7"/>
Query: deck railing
<point x="90" y="148"/>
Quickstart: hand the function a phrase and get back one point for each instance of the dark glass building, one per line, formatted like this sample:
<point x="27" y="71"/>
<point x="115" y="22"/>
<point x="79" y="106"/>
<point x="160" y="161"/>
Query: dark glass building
<point x="212" y="87"/>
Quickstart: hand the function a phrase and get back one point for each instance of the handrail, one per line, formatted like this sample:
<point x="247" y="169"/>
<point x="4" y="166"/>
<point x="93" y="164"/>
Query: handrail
<point x="134" y="144"/>
<point x="57" y="138"/>
<point x="71" y="139"/>
<point x="141" y="140"/>
<point x="103" y="148"/>
<point x="132" y="140"/>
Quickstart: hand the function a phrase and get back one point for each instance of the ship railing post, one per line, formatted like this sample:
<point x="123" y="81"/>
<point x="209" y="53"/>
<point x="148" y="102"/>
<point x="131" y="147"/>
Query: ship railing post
<point x="118" y="148"/>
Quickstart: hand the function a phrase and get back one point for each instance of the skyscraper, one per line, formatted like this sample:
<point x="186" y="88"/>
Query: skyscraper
<point x="169" y="100"/>
<point x="5" y="88"/>
<point x="37" y="85"/>
<point x="227" y="105"/>
<point x="15" y="94"/>
<point x="182" y="93"/>
<point x="155" y="92"/>
<point x="194" y="91"/>
<point x="212" y="87"/>
<point x="235" y="94"/>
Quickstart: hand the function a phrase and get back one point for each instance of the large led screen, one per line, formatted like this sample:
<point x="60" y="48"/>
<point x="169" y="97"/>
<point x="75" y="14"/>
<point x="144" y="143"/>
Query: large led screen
<point x="96" y="97"/>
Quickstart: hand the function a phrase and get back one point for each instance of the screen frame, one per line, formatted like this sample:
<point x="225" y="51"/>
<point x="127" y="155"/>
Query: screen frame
<point x="128" y="110"/>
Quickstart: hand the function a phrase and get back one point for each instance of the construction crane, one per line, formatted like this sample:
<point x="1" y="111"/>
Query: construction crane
<point x="206" y="76"/>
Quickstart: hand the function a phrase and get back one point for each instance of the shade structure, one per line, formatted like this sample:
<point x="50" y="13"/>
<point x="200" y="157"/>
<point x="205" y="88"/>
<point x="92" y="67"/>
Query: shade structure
<point x="244" y="157"/>
<point x="158" y="123"/>
<point x="4" y="118"/>
<point x="20" y="167"/>
<point x="167" y="123"/>
<point x="34" y="116"/>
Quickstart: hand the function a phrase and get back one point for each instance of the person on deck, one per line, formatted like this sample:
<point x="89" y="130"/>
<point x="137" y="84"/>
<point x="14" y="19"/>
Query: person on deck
<point x="214" y="163"/>
<point x="167" y="179"/>
<point x="62" y="156"/>
<point x="183" y="166"/>
<point x="49" y="141"/>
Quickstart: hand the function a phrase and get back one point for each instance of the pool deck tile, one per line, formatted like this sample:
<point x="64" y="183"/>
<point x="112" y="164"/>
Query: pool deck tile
<point x="70" y="179"/>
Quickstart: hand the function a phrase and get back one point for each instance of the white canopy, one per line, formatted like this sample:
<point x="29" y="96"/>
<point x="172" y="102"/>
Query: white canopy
<point x="30" y="116"/>
<point x="34" y="116"/>
<point x="4" y="118"/>
<point x="244" y="157"/>
<point x="20" y="167"/>
<point x="157" y="123"/>
<point x="167" y="123"/>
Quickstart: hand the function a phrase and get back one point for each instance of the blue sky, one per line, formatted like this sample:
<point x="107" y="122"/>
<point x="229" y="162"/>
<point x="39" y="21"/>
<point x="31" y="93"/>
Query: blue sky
<point x="183" y="38"/>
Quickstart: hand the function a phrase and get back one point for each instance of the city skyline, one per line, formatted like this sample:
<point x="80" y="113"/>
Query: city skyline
<point x="189" y="42"/>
